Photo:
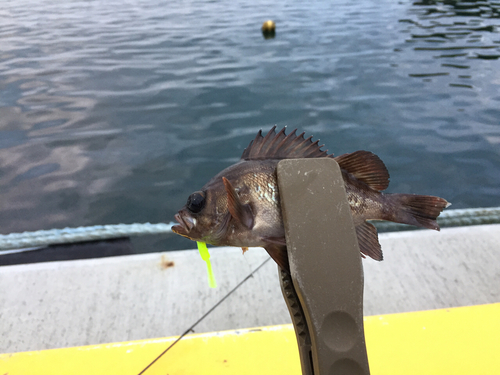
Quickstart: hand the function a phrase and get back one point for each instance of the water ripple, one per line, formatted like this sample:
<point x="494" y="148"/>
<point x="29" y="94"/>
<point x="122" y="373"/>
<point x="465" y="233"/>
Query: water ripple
<point x="113" y="111"/>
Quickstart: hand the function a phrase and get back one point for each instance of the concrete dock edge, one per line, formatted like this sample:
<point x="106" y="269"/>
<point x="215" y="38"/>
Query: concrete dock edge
<point x="74" y="303"/>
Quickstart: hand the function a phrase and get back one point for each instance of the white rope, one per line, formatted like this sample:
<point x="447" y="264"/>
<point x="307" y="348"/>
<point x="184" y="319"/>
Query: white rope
<point x="449" y="218"/>
<point x="80" y="234"/>
<point x="452" y="218"/>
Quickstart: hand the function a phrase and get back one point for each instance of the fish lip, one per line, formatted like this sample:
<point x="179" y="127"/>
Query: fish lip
<point x="185" y="224"/>
<point x="179" y="229"/>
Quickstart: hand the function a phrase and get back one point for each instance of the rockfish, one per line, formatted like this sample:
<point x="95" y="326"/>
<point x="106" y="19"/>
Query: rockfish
<point x="240" y="206"/>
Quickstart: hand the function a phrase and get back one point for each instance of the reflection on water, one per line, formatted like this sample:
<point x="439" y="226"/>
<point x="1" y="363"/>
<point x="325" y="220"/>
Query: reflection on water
<point x="454" y="33"/>
<point x="114" y="111"/>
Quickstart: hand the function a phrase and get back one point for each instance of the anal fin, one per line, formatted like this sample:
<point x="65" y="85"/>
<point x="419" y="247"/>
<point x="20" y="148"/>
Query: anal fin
<point x="368" y="241"/>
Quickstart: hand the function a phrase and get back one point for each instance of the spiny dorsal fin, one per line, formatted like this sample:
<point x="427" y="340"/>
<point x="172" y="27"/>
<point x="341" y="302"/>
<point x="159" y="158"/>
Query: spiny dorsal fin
<point x="282" y="146"/>
<point x="366" y="167"/>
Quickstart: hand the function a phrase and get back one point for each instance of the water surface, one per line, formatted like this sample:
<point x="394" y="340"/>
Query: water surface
<point x="114" y="112"/>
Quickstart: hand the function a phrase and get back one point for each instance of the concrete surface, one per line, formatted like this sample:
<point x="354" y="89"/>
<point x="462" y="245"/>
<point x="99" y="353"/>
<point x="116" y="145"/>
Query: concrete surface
<point x="71" y="303"/>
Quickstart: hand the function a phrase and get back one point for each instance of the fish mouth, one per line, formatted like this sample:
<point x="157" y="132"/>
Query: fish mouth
<point x="186" y="224"/>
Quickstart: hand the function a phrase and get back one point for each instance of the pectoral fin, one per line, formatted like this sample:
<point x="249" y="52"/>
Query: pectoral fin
<point x="279" y="254"/>
<point x="275" y="240"/>
<point x="239" y="211"/>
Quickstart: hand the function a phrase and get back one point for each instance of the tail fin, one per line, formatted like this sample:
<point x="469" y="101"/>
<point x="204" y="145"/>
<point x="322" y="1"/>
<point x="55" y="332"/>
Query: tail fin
<point x="419" y="210"/>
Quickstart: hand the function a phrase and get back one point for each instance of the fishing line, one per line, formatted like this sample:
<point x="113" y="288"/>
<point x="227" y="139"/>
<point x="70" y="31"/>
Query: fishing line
<point x="206" y="314"/>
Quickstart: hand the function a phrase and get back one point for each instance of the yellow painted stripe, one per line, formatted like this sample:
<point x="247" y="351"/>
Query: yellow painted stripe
<point x="464" y="340"/>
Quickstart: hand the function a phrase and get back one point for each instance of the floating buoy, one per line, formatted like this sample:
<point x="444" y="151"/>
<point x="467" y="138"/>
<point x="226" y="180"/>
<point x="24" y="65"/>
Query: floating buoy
<point x="269" y="29"/>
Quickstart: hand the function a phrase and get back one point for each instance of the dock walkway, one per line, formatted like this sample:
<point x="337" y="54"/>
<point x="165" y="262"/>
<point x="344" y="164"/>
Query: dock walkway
<point x="83" y="302"/>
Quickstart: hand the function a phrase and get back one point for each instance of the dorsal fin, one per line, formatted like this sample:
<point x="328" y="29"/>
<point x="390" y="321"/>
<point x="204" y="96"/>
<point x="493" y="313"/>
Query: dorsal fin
<point x="366" y="167"/>
<point x="282" y="146"/>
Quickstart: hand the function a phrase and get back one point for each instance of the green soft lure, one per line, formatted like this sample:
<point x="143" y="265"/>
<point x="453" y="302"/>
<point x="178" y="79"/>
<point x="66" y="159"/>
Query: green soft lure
<point x="205" y="255"/>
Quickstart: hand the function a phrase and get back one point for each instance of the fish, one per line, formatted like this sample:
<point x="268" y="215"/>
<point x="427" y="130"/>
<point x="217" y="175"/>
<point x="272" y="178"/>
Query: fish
<point x="240" y="206"/>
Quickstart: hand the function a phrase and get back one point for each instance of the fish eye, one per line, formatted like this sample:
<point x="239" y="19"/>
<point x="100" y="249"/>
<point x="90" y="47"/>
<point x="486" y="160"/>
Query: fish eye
<point x="196" y="202"/>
